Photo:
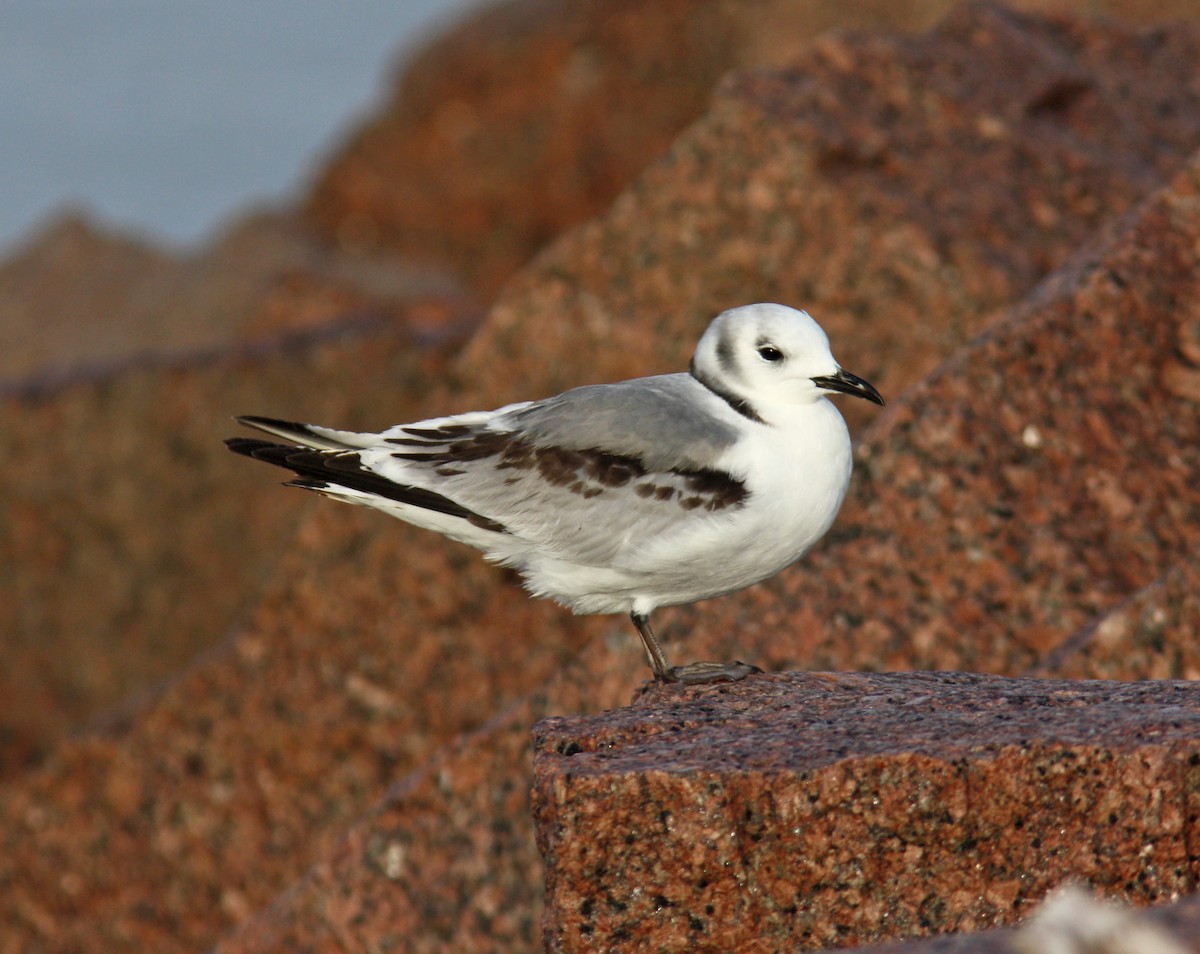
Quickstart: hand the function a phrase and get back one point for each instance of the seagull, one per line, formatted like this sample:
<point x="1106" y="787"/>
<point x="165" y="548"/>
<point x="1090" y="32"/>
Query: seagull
<point x="624" y="497"/>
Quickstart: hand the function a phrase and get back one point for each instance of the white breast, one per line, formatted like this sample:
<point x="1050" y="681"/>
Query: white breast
<point x="797" y="471"/>
<point x="796" y="489"/>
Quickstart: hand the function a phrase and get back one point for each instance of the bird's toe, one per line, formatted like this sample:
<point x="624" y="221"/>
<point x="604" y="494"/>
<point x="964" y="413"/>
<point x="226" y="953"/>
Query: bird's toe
<point x="705" y="673"/>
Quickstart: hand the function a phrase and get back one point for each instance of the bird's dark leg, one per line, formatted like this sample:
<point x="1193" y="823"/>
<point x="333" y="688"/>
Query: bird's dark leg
<point x="654" y="653"/>
<point x="693" y="674"/>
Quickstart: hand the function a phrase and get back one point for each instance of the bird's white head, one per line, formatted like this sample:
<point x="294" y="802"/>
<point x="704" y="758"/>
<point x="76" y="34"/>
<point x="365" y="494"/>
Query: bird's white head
<point x="769" y="354"/>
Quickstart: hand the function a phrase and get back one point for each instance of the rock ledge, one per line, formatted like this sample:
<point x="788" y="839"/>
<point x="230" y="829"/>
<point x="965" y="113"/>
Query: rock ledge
<point x="814" y="810"/>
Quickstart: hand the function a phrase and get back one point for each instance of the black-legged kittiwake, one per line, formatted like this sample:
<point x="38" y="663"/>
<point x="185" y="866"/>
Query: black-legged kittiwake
<point x="620" y="498"/>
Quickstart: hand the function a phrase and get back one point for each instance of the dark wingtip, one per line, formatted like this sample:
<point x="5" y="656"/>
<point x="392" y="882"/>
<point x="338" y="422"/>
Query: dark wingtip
<point x="246" y="446"/>
<point x="322" y="469"/>
<point x="257" y="449"/>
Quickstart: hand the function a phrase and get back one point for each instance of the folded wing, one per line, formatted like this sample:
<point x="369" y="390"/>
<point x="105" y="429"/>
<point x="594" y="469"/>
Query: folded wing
<point x="584" y="476"/>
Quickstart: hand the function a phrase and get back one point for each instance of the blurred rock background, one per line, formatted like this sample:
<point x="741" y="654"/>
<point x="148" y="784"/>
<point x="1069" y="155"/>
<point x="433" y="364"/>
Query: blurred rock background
<point x="232" y="715"/>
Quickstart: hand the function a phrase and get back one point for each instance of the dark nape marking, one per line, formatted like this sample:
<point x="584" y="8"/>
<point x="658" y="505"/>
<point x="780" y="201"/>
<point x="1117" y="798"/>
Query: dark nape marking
<point x="318" y="470"/>
<point x="741" y="405"/>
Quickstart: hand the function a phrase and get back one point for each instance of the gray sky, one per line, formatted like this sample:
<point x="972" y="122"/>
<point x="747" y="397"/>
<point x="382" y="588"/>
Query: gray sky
<point x="165" y="116"/>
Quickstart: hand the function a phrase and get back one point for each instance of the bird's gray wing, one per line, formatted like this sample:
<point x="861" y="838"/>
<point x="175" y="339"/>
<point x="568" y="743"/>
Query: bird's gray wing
<point x="668" y="422"/>
<point x="583" y="475"/>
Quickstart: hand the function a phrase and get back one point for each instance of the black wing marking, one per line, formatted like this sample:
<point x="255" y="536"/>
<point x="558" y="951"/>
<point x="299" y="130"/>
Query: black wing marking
<point x="321" y="438"/>
<point x="317" y="470"/>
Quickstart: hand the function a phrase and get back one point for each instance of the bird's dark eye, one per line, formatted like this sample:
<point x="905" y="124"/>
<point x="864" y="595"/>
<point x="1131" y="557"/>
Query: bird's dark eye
<point x="768" y="353"/>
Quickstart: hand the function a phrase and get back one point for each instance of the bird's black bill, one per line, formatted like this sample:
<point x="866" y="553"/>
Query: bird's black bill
<point x="846" y="383"/>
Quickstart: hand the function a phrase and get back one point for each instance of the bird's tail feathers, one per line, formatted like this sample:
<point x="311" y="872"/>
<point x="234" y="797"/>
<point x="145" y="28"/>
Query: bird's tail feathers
<point x="333" y="471"/>
<point x="309" y="435"/>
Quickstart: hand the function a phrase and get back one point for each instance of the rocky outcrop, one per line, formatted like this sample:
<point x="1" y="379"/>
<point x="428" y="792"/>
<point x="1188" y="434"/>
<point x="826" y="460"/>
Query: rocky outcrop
<point x="933" y="548"/>
<point x="893" y="185"/>
<point x="120" y="508"/>
<point x="351" y="766"/>
<point x="818" y="810"/>
<point x="533" y="116"/>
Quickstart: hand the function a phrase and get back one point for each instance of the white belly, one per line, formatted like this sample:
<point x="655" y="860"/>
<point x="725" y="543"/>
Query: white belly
<point x="796" y="488"/>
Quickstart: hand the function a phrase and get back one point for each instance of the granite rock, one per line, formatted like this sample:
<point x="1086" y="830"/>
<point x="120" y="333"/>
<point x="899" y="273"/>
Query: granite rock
<point x="890" y="184"/>
<point x="819" y="810"/>
<point x="919" y="532"/>
<point x="254" y="790"/>
<point x="120" y="365"/>
<point x="532" y="116"/>
<point x="1155" y="634"/>
<point x="348" y="892"/>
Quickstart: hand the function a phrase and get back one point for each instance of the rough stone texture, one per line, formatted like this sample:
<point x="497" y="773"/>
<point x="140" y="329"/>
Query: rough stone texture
<point x="818" y="810"/>
<point x="119" y="368"/>
<point x="924" y="533"/>
<point x="532" y="116"/>
<point x="446" y="863"/>
<point x="1054" y="457"/>
<point x="891" y="185"/>
<point x="118" y="531"/>
<point x="1154" y="635"/>
<point x="242" y="781"/>
<point x="162" y="833"/>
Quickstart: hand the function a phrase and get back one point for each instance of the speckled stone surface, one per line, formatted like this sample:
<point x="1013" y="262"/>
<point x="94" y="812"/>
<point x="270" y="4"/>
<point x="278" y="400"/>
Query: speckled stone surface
<point x="1042" y="476"/>
<point x="814" y="810"/>
<point x="131" y="542"/>
<point x="308" y="784"/>
<point x="166" y="831"/>
<point x="1154" y="635"/>
<point x="889" y="184"/>
<point x="120" y="366"/>
<point x="532" y="116"/>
